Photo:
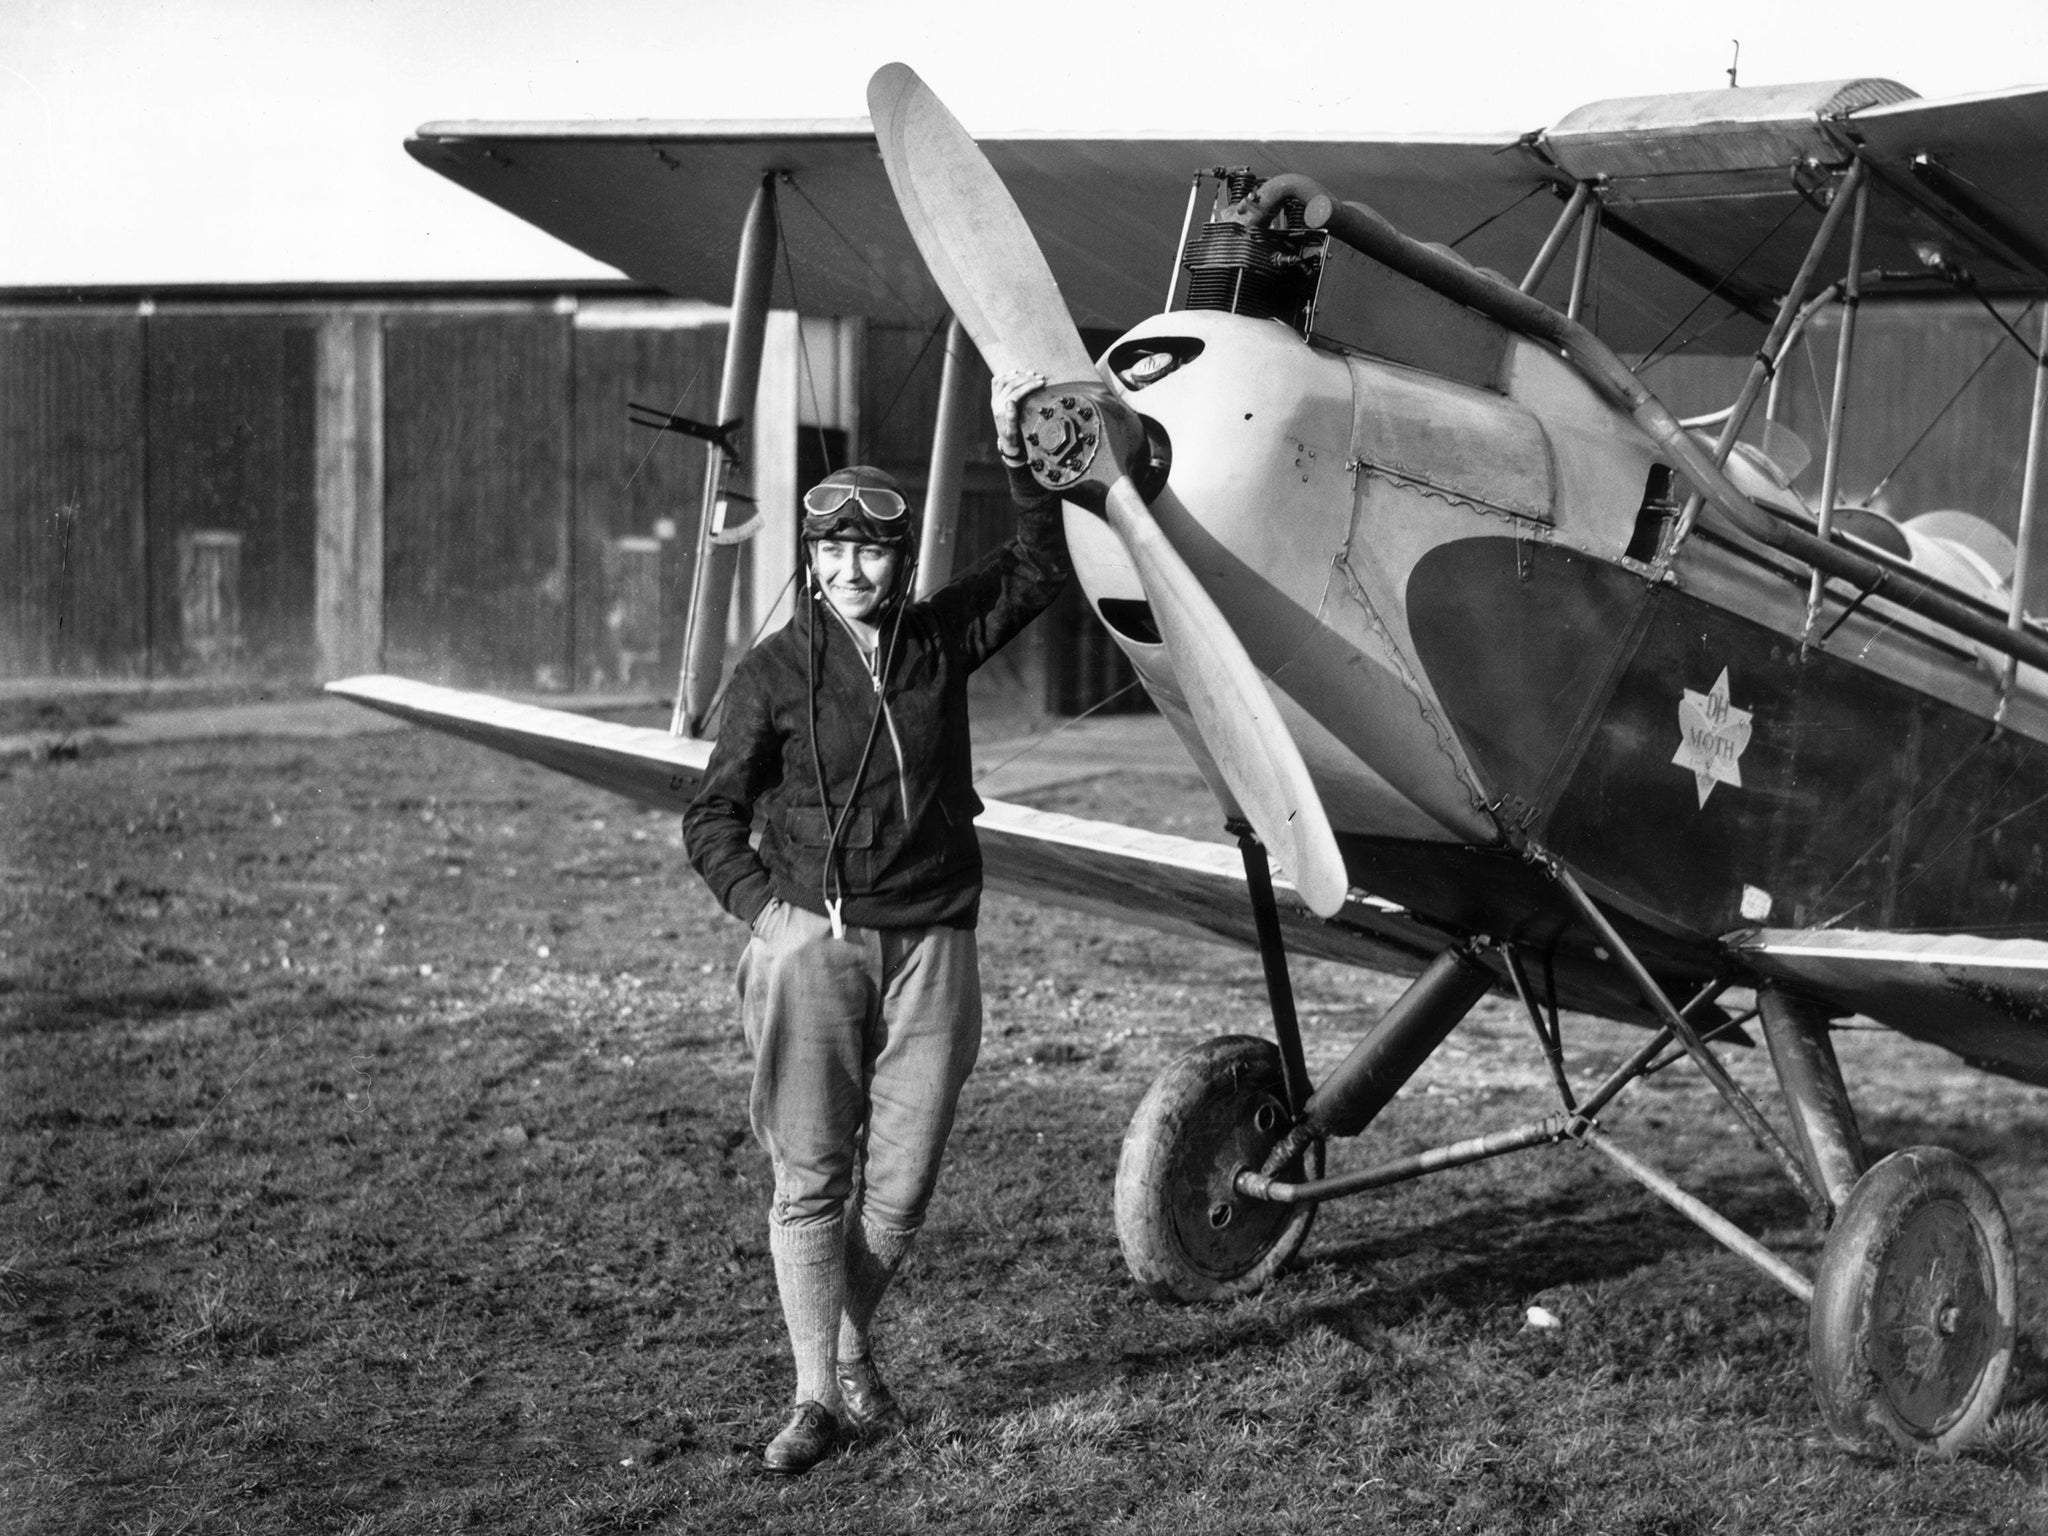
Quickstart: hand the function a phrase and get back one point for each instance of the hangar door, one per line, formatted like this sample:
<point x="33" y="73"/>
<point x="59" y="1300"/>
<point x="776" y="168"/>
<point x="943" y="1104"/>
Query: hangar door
<point x="479" y="445"/>
<point x="230" y="494"/>
<point x="73" y="593"/>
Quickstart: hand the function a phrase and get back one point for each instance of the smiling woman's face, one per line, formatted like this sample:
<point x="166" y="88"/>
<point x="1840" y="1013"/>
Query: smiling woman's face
<point x="857" y="578"/>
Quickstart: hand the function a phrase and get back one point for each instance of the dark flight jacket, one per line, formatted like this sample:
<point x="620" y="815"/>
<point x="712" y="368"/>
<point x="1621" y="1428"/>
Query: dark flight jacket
<point x="908" y="856"/>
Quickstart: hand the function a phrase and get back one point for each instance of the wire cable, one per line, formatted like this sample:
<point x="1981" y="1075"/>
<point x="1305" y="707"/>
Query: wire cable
<point x="1649" y="357"/>
<point x="859" y="253"/>
<point x="676" y="409"/>
<point x="1039" y="741"/>
<point x="1541" y="186"/>
<point x="903" y="384"/>
<point x="803" y="357"/>
<point x="1997" y="342"/>
<point x="753" y="640"/>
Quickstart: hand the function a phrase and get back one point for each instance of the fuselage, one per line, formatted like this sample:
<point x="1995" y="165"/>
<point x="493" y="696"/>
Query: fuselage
<point x="1447" y="581"/>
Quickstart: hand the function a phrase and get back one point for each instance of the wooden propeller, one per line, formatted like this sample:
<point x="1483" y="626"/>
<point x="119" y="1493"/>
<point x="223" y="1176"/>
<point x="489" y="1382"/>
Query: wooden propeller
<point x="987" y="263"/>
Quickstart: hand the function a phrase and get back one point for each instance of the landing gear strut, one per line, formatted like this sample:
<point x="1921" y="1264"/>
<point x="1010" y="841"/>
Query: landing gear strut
<point x="1223" y="1161"/>
<point x="1217" y="1110"/>
<point x="1911" y="1317"/>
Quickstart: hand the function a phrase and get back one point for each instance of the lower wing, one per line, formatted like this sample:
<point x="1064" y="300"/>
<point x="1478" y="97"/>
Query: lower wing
<point x="1984" y="999"/>
<point x="1173" y="884"/>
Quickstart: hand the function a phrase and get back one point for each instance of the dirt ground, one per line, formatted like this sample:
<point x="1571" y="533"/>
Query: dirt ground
<point x="374" y="1129"/>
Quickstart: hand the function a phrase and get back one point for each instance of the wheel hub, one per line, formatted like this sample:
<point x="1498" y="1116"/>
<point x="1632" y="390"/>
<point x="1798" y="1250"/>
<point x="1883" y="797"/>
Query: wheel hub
<point x="1224" y="1232"/>
<point x="1935" y="1314"/>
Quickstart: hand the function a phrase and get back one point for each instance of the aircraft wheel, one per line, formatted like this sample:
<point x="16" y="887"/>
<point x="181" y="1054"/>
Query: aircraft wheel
<point x="1187" y="1235"/>
<point x="1913" y="1309"/>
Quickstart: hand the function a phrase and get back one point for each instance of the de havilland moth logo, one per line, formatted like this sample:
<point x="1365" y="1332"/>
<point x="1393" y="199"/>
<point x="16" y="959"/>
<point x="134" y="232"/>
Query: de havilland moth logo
<point x="1712" y="734"/>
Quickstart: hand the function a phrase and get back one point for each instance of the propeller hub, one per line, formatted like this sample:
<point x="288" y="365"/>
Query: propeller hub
<point x="1062" y="433"/>
<point x="1081" y="437"/>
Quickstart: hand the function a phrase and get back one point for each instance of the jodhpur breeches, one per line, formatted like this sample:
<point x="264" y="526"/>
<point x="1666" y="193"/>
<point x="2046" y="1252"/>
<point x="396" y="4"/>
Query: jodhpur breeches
<point x="861" y="1046"/>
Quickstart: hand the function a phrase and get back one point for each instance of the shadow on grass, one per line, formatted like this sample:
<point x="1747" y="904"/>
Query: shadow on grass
<point x="2016" y="1138"/>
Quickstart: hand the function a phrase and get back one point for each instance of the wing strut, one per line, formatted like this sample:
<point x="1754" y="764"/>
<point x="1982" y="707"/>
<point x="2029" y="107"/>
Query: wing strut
<point x="728" y="481"/>
<point x="1793" y="313"/>
<point x="2030" y="503"/>
<point x="1553" y="242"/>
<point x="1582" y="263"/>
<point x="1838" y="402"/>
<point x="1258" y="879"/>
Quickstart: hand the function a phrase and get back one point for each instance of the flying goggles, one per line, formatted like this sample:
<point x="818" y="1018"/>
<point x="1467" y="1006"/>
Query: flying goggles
<point x="870" y="510"/>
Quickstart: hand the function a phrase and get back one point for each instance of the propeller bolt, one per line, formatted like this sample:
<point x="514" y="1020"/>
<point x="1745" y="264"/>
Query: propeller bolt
<point x="1055" y="437"/>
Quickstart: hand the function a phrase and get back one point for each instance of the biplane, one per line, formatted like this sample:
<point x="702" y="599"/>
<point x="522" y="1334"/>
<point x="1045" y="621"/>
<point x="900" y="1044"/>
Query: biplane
<point x="1523" y="684"/>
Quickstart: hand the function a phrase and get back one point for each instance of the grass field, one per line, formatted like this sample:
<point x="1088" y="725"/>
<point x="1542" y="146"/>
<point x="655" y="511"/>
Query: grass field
<point x="374" y="1132"/>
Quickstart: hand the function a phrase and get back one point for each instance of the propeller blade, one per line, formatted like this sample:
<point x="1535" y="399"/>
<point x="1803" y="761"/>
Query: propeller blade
<point x="1251" y="745"/>
<point x="986" y="261"/>
<point x="981" y="253"/>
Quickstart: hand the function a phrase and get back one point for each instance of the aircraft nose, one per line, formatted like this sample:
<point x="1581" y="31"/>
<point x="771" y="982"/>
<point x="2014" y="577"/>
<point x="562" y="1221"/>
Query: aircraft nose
<point x="987" y="263"/>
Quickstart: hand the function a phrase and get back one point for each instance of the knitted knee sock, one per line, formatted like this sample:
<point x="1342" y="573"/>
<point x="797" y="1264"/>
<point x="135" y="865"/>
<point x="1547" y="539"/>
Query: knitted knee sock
<point x="873" y="1255"/>
<point x="810" y="1274"/>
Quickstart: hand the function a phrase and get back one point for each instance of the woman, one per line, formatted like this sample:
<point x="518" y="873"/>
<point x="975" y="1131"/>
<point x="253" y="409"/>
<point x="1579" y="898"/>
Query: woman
<point x="860" y="990"/>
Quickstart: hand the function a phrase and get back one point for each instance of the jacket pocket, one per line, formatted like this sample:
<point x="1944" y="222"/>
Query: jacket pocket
<point x="807" y="827"/>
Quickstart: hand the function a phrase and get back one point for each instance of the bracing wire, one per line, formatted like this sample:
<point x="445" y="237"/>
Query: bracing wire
<point x="753" y="640"/>
<point x="1798" y="206"/>
<point x="909" y="373"/>
<point x="859" y="254"/>
<point x="1502" y="213"/>
<point x="1997" y="343"/>
<point x="1820" y="403"/>
<point x="1037" y="742"/>
<point x="676" y="409"/>
<point x="1991" y="309"/>
<point x="803" y="354"/>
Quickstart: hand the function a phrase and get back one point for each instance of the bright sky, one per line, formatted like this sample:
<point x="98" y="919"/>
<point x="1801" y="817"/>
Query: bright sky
<point x="165" y="141"/>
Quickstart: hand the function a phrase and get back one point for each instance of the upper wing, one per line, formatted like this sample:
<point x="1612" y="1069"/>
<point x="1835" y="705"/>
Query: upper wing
<point x="1729" y="184"/>
<point x="665" y="202"/>
<point x="1714" y="195"/>
<point x="1174" y="884"/>
<point x="1984" y="999"/>
<point x="1982" y="160"/>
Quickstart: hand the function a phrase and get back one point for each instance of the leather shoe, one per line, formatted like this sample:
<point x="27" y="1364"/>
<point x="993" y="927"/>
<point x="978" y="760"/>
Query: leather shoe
<point x="805" y="1440"/>
<point x="870" y="1405"/>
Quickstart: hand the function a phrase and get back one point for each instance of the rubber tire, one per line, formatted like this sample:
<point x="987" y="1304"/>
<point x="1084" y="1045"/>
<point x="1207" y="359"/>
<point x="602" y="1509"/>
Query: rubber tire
<point x="1215" y="1109"/>
<point x="1878" y="1294"/>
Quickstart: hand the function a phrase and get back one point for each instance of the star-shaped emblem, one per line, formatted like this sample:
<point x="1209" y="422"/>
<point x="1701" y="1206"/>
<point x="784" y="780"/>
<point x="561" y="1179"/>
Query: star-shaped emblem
<point x="1711" y="736"/>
